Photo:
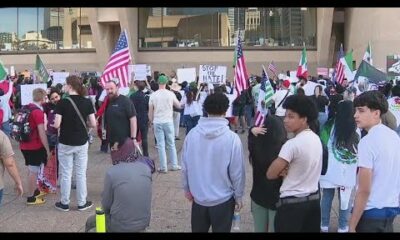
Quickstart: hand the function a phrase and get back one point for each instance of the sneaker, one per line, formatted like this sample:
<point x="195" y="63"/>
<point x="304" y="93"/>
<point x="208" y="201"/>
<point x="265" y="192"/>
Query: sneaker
<point x="39" y="194"/>
<point x="87" y="205"/>
<point x="162" y="170"/>
<point x="35" y="201"/>
<point x="343" y="230"/>
<point x="62" y="207"/>
<point x="324" y="229"/>
<point x="177" y="168"/>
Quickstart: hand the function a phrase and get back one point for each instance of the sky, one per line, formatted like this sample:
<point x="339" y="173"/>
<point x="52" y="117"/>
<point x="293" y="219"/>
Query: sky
<point x="27" y="20"/>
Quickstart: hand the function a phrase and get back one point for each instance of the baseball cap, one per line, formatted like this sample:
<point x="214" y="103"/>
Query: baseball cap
<point x="162" y="79"/>
<point x="286" y="83"/>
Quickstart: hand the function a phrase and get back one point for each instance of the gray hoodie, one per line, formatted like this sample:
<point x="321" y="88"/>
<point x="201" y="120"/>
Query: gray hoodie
<point x="213" y="163"/>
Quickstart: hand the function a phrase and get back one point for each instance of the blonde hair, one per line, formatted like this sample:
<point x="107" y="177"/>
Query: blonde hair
<point x="38" y="94"/>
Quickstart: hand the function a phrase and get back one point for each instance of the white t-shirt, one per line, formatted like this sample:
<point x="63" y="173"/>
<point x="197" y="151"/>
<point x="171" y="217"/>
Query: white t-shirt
<point x="304" y="155"/>
<point x="231" y="98"/>
<point x="193" y="109"/>
<point x="102" y="95"/>
<point x="277" y="98"/>
<point x="4" y="103"/>
<point x="394" y="107"/>
<point x="378" y="151"/>
<point x="163" y="101"/>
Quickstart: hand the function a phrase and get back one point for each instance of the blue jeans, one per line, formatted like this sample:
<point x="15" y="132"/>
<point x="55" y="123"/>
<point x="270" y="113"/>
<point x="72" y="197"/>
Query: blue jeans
<point x="326" y="205"/>
<point x="191" y="122"/>
<point x="322" y="117"/>
<point x="248" y="112"/>
<point x="165" y="136"/>
<point x="1" y="195"/>
<point x="6" y="128"/>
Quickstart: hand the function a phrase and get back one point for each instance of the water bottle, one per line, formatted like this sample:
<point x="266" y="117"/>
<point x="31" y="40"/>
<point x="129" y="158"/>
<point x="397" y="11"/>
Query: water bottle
<point x="236" y="221"/>
<point x="100" y="220"/>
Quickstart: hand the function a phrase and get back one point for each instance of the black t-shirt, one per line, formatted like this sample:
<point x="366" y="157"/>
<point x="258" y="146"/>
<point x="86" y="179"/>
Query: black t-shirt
<point x="117" y="116"/>
<point x="141" y="102"/>
<point x="72" y="131"/>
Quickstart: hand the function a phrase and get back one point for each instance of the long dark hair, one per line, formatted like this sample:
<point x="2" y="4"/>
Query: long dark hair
<point x="190" y="96"/>
<point x="345" y="126"/>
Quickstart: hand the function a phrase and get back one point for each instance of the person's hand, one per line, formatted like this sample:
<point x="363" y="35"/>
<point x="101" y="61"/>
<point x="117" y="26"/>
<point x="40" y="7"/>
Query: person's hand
<point x="258" y="130"/>
<point x="238" y="206"/>
<point x="189" y="196"/>
<point x="48" y="154"/>
<point x="135" y="142"/>
<point x="19" y="189"/>
<point x="284" y="172"/>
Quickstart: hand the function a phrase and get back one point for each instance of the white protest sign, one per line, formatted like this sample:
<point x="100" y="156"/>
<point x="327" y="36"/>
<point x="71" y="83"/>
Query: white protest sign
<point x="282" y="76"/>
<point x="186" y="74"/>
<point x="12" y="71"/>
<point x="139" y="71"/>
<point x="148" y="70"/>
<point x="212" y="74"/>
<point x="59" y="77"/>
<point x="293" y="77"/>
<point x="124" y="91"/>
<point x="26" y="92"/>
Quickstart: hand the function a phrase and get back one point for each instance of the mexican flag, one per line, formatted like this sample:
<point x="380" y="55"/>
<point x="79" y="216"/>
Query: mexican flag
<point x="347" y="62"/>
<point x="3" y="72"/>
<point x="41" y="71"/>
<point x="368" y="54"/>
<point x="302" y="68"/>
<point x="373" y="75"/>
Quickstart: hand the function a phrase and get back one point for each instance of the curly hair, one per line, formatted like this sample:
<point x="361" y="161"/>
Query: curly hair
<point x="373" y="100"/>
<point x="216" y="104"/>
<point x="305" y="107"/>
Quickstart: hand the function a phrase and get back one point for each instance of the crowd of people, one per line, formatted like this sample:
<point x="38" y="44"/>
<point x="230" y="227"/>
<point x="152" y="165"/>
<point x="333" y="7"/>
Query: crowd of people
<point x="318" y="137"/>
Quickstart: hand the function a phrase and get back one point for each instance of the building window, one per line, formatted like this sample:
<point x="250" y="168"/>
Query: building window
<point x="44" y="29"/>
<point x="219" y="27"/>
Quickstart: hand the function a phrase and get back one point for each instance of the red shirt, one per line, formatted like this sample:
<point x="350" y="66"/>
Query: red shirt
<point x="35" y="118"/>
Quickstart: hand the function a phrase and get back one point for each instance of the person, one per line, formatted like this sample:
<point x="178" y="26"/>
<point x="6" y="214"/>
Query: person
<point x="321" y="102"/>
<point x="49" y="109"/>
<point x="264" y="144"/>
<point x="120" y="117"/>
<point x="279" y="98"/>
<point x="213" y="206"/>
<point x="161" y="105"/>
<point x="125" y="211"/>
<point x="175" y="88"/>
<point x="300" y="162"/>
<point x="140" y="101"/>
<point x="36" y="150"/>
<point x="394" y="104"/>
<point x="376" y="200"/>
<point x="7" y="162"/>
<point x="5" y="106"/>
<point x="192" y="109"/>
<point x="73" y="142"/>
<point x="238" y="112"/>
<point x="341" y="139"/>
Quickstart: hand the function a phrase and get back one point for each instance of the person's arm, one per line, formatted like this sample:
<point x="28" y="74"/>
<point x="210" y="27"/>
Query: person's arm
<point x="107" y="197"/>
<point x="176" y="103"/>
<point x="361" y="198"/>
<point x="57" y="121"/>
<point x="277" y="167"/>
<point x="237" y="172"/>
<point x="43" y="138"/>
<point x="151" y="113"/>
<point x="92" y="121"/>
<point x="185" y="180"/>
<point x="133" y="125"/>
<point x="9" y="164"/>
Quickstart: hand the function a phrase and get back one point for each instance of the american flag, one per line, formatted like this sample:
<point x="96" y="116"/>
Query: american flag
<point x="241" y="77"/>
<point x="118" y="62"/>
<point x="339" y="70"/>
<point x="272" y="68"/>
<point x="265" y="94"/>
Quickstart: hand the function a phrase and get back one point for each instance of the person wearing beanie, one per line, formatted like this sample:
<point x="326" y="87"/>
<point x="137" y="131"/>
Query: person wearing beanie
<point x="161" y="105"/>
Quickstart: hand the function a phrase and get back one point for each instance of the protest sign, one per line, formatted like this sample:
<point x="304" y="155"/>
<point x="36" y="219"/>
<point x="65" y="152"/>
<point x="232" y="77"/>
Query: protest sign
<point x="59" y="77"/>
<point x="212" y="74"/>
<point x="138" y="71"/>
<point x="26" y="92"/>
<point x="186" y="74"/>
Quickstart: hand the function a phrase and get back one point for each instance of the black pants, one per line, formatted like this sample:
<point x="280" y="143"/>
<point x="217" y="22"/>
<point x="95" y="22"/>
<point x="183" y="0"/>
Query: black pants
<point x="143" y="131"/>
<point x="375" y="225"/>
<point x="298" y="217"/>
<point x="219" y="217"/>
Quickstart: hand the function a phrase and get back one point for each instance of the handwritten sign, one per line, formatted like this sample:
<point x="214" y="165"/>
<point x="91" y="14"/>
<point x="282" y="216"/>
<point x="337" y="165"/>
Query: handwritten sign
<point x="138" y="71"/>
<point x="148" y="70"/>
<point x="212" y="74"/>
<point x="59" y="77"/>
<point x="186" y="74"/>
<point x="26" y="92"/>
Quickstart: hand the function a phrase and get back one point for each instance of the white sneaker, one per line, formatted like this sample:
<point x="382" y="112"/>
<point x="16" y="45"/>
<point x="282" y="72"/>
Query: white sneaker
<point x="343" y="230"/>
<point x="324" y="229"/>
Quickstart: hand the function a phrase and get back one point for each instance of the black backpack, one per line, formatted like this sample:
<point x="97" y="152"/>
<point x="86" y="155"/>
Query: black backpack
<point x="21" y="128"/>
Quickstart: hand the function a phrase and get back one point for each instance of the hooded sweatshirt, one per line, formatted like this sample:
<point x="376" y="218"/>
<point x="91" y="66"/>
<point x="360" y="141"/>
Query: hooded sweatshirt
<point x="213" y="163"/>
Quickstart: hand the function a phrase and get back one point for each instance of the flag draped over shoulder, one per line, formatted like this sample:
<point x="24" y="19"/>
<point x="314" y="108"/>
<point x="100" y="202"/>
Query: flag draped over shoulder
<point x="368" y="54"/>
<point x="373" y="75"/>
<point x="241" y="77"/>
<point x="265" y="95"/>
<point x="41" y="72"/>
<point x="302" y="68"/>
<point x="118" y="62"/>
<point x="3" y="73"/>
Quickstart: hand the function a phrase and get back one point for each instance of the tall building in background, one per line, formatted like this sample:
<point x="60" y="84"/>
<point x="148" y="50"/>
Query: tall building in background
<point x="53" y="25"/>
<point x="292" y="26"/>
<point x="157" y="12"/>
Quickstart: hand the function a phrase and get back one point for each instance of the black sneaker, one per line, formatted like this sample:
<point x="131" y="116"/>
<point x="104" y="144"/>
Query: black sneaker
<point x="87" y="205"/>
<point x="62" y="207"/>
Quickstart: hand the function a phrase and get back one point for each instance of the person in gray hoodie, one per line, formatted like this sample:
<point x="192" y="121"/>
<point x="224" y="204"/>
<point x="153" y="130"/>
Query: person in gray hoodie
<point x="213" y="173"/>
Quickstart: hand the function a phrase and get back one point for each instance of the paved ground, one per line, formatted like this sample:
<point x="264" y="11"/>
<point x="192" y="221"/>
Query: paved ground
<point x="170" y="210"/>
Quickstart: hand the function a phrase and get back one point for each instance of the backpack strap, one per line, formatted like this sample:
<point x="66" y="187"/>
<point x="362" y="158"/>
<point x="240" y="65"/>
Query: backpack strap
<point x="77" y="112"/>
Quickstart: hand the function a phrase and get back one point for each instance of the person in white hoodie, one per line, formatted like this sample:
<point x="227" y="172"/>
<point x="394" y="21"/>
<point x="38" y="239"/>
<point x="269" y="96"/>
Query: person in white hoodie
<point x="213" y="172"/>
